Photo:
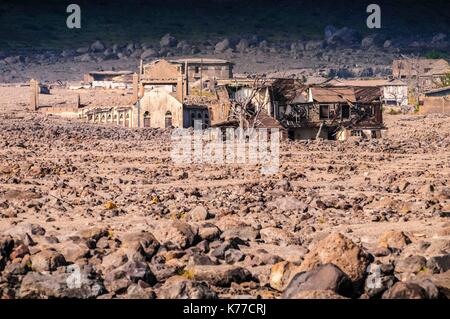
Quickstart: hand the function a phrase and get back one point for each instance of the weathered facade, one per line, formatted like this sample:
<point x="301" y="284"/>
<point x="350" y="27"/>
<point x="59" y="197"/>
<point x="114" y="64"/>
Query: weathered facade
<point x="328" y="112"/>
<point x="436" y="101"/>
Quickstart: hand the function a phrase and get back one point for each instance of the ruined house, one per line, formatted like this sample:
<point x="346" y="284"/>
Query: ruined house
<point x="176" y="93"/>
<point x="328" y="112"/>
<point x="109" y="79"/>
<point x="420" y="74"/>
<point x="436" y="101"/>
<point x="394" y="91"/>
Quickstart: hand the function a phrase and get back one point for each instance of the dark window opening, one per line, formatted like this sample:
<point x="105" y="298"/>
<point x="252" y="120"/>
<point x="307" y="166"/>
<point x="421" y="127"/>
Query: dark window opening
<point x="168" y="120"/>
<point x="324" y="112"/>
<point x="345" y="111"/>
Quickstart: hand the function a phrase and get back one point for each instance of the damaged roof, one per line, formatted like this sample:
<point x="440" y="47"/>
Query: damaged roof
<point x="333" y="95"/>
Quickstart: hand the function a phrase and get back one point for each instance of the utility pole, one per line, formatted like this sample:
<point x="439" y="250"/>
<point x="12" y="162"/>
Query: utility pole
<point x="34" y="96"/>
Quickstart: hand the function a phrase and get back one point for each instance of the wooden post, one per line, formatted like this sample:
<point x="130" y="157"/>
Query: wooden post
<point x="135" y="88"/>
<point x="78" y="101"/>
<point x="34" y="94"/>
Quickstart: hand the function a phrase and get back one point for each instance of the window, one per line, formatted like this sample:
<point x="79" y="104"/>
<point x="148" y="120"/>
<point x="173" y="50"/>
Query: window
<point x="168" y="119"/>
<point x="345" y="111"/>
<point x="146" y="119"/>
<point x="197" y="69"/>
<point x="324" y="112"/>
<point x="356" y="133"/>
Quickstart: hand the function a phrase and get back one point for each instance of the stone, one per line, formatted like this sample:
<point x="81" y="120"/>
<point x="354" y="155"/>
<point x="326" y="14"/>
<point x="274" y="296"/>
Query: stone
<point x="341" y="251"/>
<point x="199" y="213"/>
<point x="72" y="251"/>
<point x="94" y="233"/>
<point x="114" y="260"/>
<point x="168" y="41"/>
<point x="177" y="233"/>
<point x="118" y="280"/>
<point x="394" y="239"/>
<point x="439" y="264"/>
<point x="412" y="264"/>
<point x="145" y="240"/>
<point x="82" y="50"/>
<point x="324" y="277"/>
<point x="47" y="260"/>
<point x="219" y="275"/>
<point x="233" y="256"/>
<point x="19" y="252"/>
<point x="278" y="236"/>
<point x="242" y="45"/>
<point x="141" y="290"/>
<point x="208" y="232"/>
<point x="222" y="46"/>
<point x="405" y="290"/>
<point x="97" y="46"/>
<point x="281" y="275"/>
<point x="85" y="284"/>
<point x="242" y="232"/>
<point x="379" y="279"/>
<point x="178" y="287"/>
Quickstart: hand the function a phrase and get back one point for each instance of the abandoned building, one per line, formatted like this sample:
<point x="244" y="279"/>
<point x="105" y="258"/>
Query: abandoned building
<point x="420" y="74"/>
<point x="109" y="79"/>
<point x="328" y="112"/>
<point x="436" y="101"/>
<point x="394" y="91"/>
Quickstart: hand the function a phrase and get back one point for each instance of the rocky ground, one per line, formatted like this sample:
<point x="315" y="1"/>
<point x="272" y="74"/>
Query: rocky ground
<point x="342" y="52"/>
<point x="95" y="211"/>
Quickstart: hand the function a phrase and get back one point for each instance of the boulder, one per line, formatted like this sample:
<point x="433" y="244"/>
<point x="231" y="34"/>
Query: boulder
<point x="341" y="251"/>
<point x="82" y="284"/>
<point x="141" y="290"/>
<point x="140" y="240"/>
<point x="177" y="233"/>
<point x="405" y="290"/>
<point x="281" y="275"/>
<point x="97" y="46"/>
<point x="394" y="239"/>
<point x="324" y="277"/>
<point x="278" y="236"/>
<point x="222" y="46"/>
<point x="219" y="275"/>
<point x="412" y="264"/>
<point x="439" y="264"/>
<point x="119" y="279"/>
<point x="168" y="41"/>
<point x="199" y="213"/>
<point x="47" y="260"/>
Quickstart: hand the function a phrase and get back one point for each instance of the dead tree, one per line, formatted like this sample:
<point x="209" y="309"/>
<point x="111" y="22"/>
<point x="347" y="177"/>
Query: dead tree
<point x="247" y="105"/>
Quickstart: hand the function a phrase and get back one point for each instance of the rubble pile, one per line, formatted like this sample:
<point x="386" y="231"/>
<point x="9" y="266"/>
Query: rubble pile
<point x="97" y="211"/>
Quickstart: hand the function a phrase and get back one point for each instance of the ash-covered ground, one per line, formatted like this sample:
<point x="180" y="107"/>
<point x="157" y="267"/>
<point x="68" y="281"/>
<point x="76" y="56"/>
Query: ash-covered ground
<point x="96" y="211"/>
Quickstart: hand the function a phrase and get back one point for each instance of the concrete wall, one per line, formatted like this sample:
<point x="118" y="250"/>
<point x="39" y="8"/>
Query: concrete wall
<point x="157" y="102"/>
